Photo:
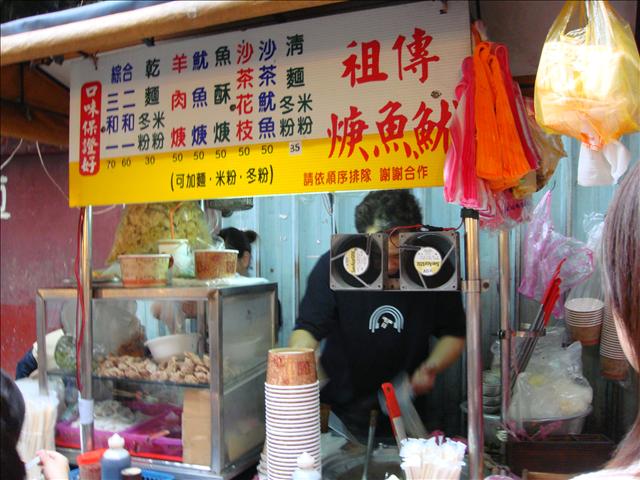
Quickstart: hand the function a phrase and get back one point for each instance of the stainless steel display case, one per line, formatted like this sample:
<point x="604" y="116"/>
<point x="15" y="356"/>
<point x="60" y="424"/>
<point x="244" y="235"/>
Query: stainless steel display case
<point x="236" y="326"/>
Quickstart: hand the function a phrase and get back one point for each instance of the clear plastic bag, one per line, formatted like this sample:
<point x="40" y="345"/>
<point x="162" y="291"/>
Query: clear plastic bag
<point x="549" y="151"/>
<point x="587" y="80"/>
<point x="552" y="387"/>
<point x="544" y="250"/>
<point x="592" y="287"/>
<point x="141" y="226"/>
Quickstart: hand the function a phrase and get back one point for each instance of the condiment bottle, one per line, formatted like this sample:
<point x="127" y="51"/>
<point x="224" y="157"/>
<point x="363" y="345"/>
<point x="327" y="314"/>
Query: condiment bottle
<point x="306" y="470"/>
<point x="115" y="459"/>
<point x="89" y="464"/>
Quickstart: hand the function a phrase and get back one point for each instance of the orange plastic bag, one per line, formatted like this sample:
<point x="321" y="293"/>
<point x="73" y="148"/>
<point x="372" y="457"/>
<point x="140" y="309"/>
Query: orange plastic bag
<point x="588" y="80"/>
<point x="501" y="158"/>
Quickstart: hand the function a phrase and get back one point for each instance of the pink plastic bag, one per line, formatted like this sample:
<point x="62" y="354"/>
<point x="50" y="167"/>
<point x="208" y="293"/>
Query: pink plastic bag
<point x="461" y="184"/>
<point x="544" y="250"/>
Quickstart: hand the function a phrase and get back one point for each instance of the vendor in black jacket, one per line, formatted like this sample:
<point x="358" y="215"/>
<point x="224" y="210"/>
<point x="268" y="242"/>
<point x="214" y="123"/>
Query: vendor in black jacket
<point x="357" y="358"/>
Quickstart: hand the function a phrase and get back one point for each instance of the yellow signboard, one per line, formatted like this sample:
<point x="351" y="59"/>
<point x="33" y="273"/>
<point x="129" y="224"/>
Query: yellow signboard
<point x="359" y="101"/>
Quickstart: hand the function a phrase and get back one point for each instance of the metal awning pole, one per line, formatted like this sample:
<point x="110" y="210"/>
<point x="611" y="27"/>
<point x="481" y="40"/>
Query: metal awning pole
<point x="505" y="321"/>
<point x="475" y="435"/>
<point x="85" y="402"/>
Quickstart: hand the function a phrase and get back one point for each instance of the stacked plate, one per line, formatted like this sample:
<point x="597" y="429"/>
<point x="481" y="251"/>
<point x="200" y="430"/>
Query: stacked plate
<point x="293" y="427"/>
<point x="609" y="344"/>
<point x="491" y="391"/>
<point x="584" y="319"/>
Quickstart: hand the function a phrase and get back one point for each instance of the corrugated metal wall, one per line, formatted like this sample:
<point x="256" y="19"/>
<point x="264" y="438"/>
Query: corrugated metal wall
<point x="295" y="230"/>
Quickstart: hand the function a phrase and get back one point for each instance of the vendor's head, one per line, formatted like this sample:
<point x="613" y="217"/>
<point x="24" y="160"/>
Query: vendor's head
<point x="621" y="245"/>
<point x="11" y="418"/>
<point x="241" y="241"/>
<point x="383" y="211"/>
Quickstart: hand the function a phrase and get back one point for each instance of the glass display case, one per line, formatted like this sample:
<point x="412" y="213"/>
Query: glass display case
<point x="178" y="372"/>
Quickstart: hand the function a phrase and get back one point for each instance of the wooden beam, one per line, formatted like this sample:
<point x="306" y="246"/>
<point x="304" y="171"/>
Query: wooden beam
<point x="33" y="124"/>
<point x="130" y="28"/>
<point x="38" y="90"/>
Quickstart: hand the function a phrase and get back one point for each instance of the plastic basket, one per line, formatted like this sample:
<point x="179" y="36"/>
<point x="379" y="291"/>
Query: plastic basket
<point x="146" y="475"/>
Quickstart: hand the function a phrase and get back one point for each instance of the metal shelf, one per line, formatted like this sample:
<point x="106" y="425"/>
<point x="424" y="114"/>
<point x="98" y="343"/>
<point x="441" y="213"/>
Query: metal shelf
<point x="229" y="385"/>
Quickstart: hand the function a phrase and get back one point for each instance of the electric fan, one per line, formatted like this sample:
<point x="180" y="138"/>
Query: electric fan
<point x="358" y="261"/>
<point x="429" y="261"/>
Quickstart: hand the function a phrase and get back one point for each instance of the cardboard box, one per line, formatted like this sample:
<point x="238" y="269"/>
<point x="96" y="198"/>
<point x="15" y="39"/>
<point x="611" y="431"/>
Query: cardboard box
<point x="196" y="426"/>
<point x="560" y="454"/>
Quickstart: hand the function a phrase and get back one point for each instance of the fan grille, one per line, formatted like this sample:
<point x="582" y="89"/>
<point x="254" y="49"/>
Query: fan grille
<point x="428" y="260"/>
<point x="348" y="255"/>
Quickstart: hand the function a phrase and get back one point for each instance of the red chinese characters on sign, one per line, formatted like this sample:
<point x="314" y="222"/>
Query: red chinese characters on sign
<point x="178" y="100"/>
<point x="426" y="127"/>
<point x="348" y="132"/>
<point x="392" y="127"/>
<point x="366" y="67"/>
<point x="429" y="133"/>
<point x="419" y="54"/>
<point x="369" y="68"/>
<point x="90" y="105"/>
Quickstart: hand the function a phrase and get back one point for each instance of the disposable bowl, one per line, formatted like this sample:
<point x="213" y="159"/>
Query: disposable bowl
<point x="144" y="270"/>
<point x="212" y="264"/>
<point x="163" y="348"/>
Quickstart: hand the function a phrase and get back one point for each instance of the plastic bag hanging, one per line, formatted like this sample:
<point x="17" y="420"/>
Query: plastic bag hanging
<point x="549" y="147"/>
<point x="501" y="159"/>
<point x="604" y="167"/>
<point x="545" y="249"/>
<point x="462" y="186"/>
<point x="587" y="79"/>
<point x="592" y="287"/>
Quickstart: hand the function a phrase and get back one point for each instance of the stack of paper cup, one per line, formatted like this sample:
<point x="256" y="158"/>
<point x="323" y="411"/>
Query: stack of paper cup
<point x="613" y="362"/>
<point x="584" y="319"/>
<point x="292" y="406"/>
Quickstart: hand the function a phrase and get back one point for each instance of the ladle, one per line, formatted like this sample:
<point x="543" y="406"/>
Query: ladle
<point x="373" y="421"/>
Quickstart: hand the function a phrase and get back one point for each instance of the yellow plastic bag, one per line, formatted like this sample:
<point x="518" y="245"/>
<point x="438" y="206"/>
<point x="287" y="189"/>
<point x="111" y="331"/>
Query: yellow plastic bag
<point x="588" y="80"/>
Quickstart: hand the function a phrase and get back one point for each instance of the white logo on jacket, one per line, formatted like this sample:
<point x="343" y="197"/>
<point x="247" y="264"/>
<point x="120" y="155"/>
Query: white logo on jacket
<point x="386" y="317"/>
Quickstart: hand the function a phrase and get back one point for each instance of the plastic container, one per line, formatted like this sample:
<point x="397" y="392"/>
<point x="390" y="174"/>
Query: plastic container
<point x="115" y="459"/>
<point x="89" y="464"/>
<point x="212" y="264"/>
<point x="136" y="437"/>
<point x="180" y="250"/>
<point x="163" y="348"/>
<point x="144" y="270"/>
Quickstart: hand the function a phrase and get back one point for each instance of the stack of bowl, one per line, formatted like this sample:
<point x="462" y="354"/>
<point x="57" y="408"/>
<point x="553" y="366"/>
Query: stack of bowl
<point x="613" y="362"/>
<point x="491" y="391"/>
<point x="292" y="405"/>
<point x="584" y="319"/>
